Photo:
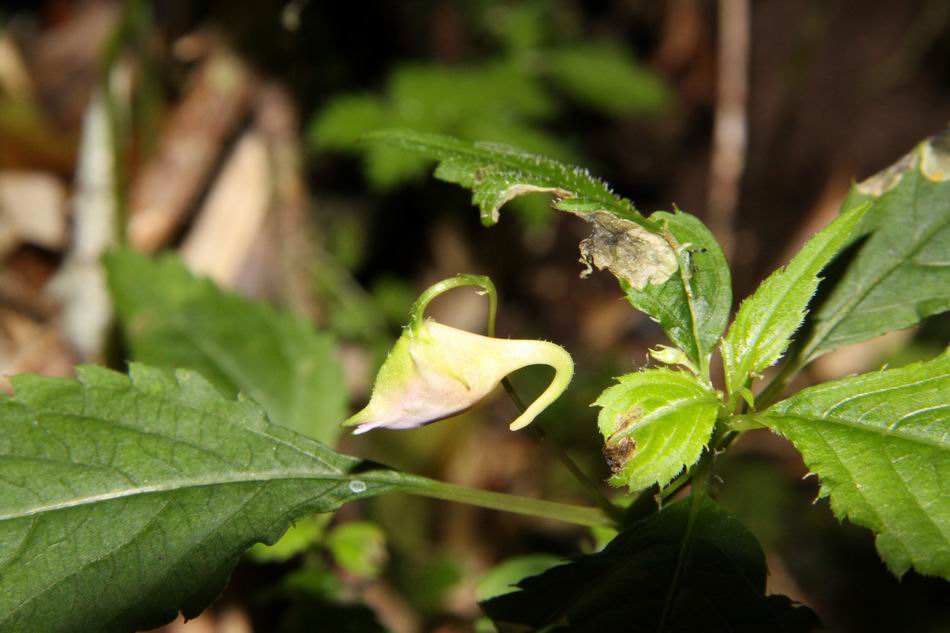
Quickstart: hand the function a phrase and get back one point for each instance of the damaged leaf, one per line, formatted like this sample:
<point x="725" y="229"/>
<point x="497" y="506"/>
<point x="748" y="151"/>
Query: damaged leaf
<point x="901" y="274"/>
<point x="692" y="306"/>
<point x="498" y="173"/>
<point x="655" y="423"/>
<point x="630" y="252"/>
<point x="669" y="264"/>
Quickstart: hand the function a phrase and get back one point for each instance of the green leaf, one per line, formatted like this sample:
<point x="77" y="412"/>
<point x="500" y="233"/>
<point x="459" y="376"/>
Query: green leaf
<point x="359" y="547"/>
<point x="345" y="119"/>
<point x="497" y="174"/>
<point x="688" y="567"/>
<point x="173" y="319"/>
<point x="901" y="274"/>
<point x="498" y="101"/>
<point x="655" y="423"/>
<point x="604" y="76"/>
<point x="693" y="305"/>
<point x="880" y="443"/>
<point x="298" y="538"/>
<point x="503" y="578"/>
<point x="150" y="487"/>
<point x="766" y="321"/>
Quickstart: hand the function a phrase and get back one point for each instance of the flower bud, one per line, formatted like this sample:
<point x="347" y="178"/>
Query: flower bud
<point x="435" y="371"/>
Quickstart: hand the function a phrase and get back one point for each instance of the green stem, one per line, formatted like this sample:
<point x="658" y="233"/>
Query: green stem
<point x="773" y="391"/>
<point x="674" y="486"/>
<point x="417" y="313"/>
<point x="568" y="513"/>
<point x="596" y="495"/>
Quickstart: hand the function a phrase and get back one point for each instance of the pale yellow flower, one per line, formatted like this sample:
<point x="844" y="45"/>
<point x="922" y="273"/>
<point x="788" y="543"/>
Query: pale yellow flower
<point x="435" y="371"/>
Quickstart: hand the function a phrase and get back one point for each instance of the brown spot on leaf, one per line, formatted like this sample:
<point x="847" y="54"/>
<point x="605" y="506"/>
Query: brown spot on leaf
<point x="618" y="453"/>
<point x="627" y="250"/>
<point x="886" y="179"/>
<point x="935" y="157"/>
<point x="932" y="157"/>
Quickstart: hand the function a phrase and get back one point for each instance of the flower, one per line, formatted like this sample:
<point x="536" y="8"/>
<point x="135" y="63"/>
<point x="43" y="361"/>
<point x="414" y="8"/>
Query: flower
<point x="435" y="371"/>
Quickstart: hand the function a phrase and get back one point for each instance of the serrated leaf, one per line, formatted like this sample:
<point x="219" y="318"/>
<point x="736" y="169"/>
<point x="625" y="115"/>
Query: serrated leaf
<point x="124" y="499"/>
<point x="766" y="321"/>
<point x="173" y="319"/>
<point x="497" y="173"/>
<point x="901" y="274"/>
<point x="880" y="443"/>
<point x="633" y="582"/>
<point x="655" y="423"/>
<point x="606" y="77"/>
<point x="693" y="305"/>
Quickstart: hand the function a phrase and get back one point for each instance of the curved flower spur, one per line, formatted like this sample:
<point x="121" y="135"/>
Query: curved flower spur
<point x="435" y="371"/>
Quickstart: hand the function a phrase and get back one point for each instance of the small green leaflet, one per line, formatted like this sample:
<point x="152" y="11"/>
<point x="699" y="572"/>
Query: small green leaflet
<point x="880" y="444"/>
<point x="498" y="173"/>
<point x="655" y="423"/>
<point x="693" y="305"/>
<point x="766" y="321"/>
<point x="901" y="274"/>
<point x="149" y="486"/>
<point x="633" y="584"/>
<point x="174" y="319"/>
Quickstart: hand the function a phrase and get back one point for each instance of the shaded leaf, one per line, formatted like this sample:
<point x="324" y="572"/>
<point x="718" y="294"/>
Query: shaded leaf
<point x="655" y="423"/>
<point x="766" y="321"/>
<point x="359" y="547"/>
<point x="880" y="443"/>
<point x="150" y="486"/>
<point x="498" y="101"/>
<point x="298" y="538"/>
<point x="631" y="583"/>
<point x="504" y="577"/>
<point x="901" y="274"/>
<point x="604" y="76"/>
<point x="173" y="319"/>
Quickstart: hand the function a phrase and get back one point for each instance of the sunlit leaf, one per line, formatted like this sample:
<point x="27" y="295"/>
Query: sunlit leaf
<point x="655" y="423"/>
<point x="880" y="444"/>
<point x="498" y="173"/>
<point x="766" y="321"/>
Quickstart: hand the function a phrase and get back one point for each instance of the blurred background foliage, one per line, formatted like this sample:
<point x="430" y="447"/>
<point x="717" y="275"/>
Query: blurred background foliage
<point x="232" y="137"/>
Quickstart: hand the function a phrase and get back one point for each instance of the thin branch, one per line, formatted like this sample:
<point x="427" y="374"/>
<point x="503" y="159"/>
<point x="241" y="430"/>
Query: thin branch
<point x="731" y="127"/>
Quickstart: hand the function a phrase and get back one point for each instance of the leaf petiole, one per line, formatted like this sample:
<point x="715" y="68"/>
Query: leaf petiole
<point x="568" y="513"/>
